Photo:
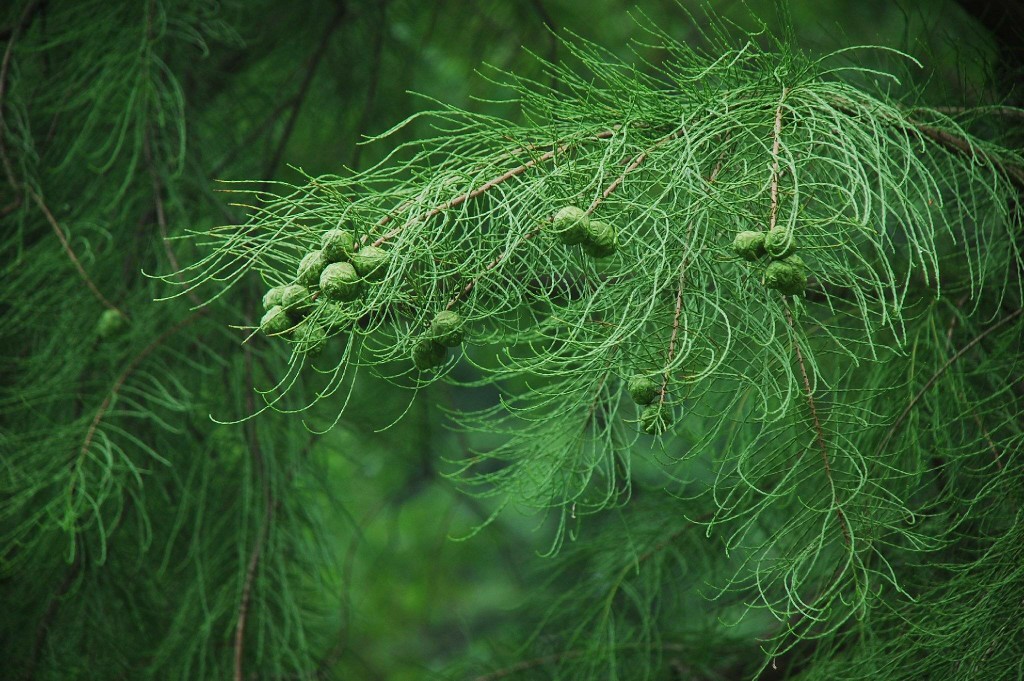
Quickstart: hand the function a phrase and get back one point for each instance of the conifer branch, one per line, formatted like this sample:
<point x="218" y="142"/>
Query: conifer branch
<point x="472" y="194"/>
<point x="938" y="374"/>
<point x="1010" y="111"/>
<point x="462" y="198"/>
<point x="128" y="371"/>
<point x="5" y="66"/>
<point x="161" y="214"/>
<point x="467" y="289"/>
<point x="773" y="211"/>
<point x="961" y="145"/>
<point x="819" y="432"/>
<point x="945" y="138"/>
<point x="70" y="251"/>
<point x="260" y="464"/>
<point x="633" y="165"/>
<point x="12" y="178"/>
<point x="677" y="314"/>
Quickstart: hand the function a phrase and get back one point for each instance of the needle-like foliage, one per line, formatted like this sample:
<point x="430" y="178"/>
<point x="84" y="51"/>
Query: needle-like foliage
<point x="740" y="324"/>
<point x="804" y="380"/>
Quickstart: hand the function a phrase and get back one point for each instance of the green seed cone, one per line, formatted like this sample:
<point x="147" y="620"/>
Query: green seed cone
<point x="446" y="328"/>
<point x="778" y="244"/>
<point x="370" y="262"/>
<point x="795" y="260"/>
<point x="275" y="321"/>
<point x="340" y="282"/>
<point x="295" y="300"/>
<point x="749" y="245"/>
<point x="655" y="419"/>
<point x="273" y="297"/>
<point x="787" y="276"/>
<point x="643" y="389"/>
<point x="110" y="323"/>
<point x="428" y="354"/>
<point x="571" y="225"/>
<point x="338" y="245"/>
<point x="310" y="267"/>
<point x="310" y="337"/>
<point x="600" y="241"/>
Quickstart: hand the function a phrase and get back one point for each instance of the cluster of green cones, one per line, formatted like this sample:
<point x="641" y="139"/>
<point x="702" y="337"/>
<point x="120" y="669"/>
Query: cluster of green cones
<point x="337" y="273"/>
<point x="573" y="227"/>
<point x="786" y="272"/>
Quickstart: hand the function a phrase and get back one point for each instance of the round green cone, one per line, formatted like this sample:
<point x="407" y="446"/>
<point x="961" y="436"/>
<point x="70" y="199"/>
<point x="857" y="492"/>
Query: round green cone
<point x="340" y="282"/>
<point x="428" y="354"/>
<point x="778" y="242"/>
<point x="275" y="321"/>
<point x="600" y="241"/>
<point x="786" y="276"/>
<point x="338" y="245"/>
<point x="370" y="262"/>
<point x="310" y="267"/>
<point x="749" y="245"/>
<point x="643" y="389"/>
<point x="570" y="225"/>
<point x="446" y="328"/>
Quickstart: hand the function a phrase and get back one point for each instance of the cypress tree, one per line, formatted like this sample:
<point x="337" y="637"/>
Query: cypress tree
<point x="736" y="324"/>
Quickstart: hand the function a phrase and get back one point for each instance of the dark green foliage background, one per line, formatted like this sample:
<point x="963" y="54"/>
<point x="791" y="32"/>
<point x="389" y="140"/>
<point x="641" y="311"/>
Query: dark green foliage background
<point x="136" y="532"/>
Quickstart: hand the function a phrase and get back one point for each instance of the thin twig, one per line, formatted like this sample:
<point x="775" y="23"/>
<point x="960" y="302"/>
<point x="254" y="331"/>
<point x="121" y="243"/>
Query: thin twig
<point x="300" y="97"/>
<point x="963" y="396"/>
<point x="517" y="171"/>
<point x="993" y="110"/>
<point x="465" y="291"/>
<point x="473" y="193"/>
<point x="70" y="252"/>
<point x="259" y="461"/>
<point x="773" y="215"/>
<point x="640" y="158"/>
<point x="819" y="431"/>
<point x="960" y="144"/>
<point x="675" y="331"/>
<point x="161" y="214"/>
<point x="12" y="179"/>
<point x="943" y="137"/>
<point x="679" y="295"/>
<point x="5" y="67"/>
<point x="127" y="371"/>
<point x="17" y="186"/>
<point x="938" y="374"/>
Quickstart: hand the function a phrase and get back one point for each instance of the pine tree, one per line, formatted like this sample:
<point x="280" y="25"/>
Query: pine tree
<point x="735" y="323"/>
